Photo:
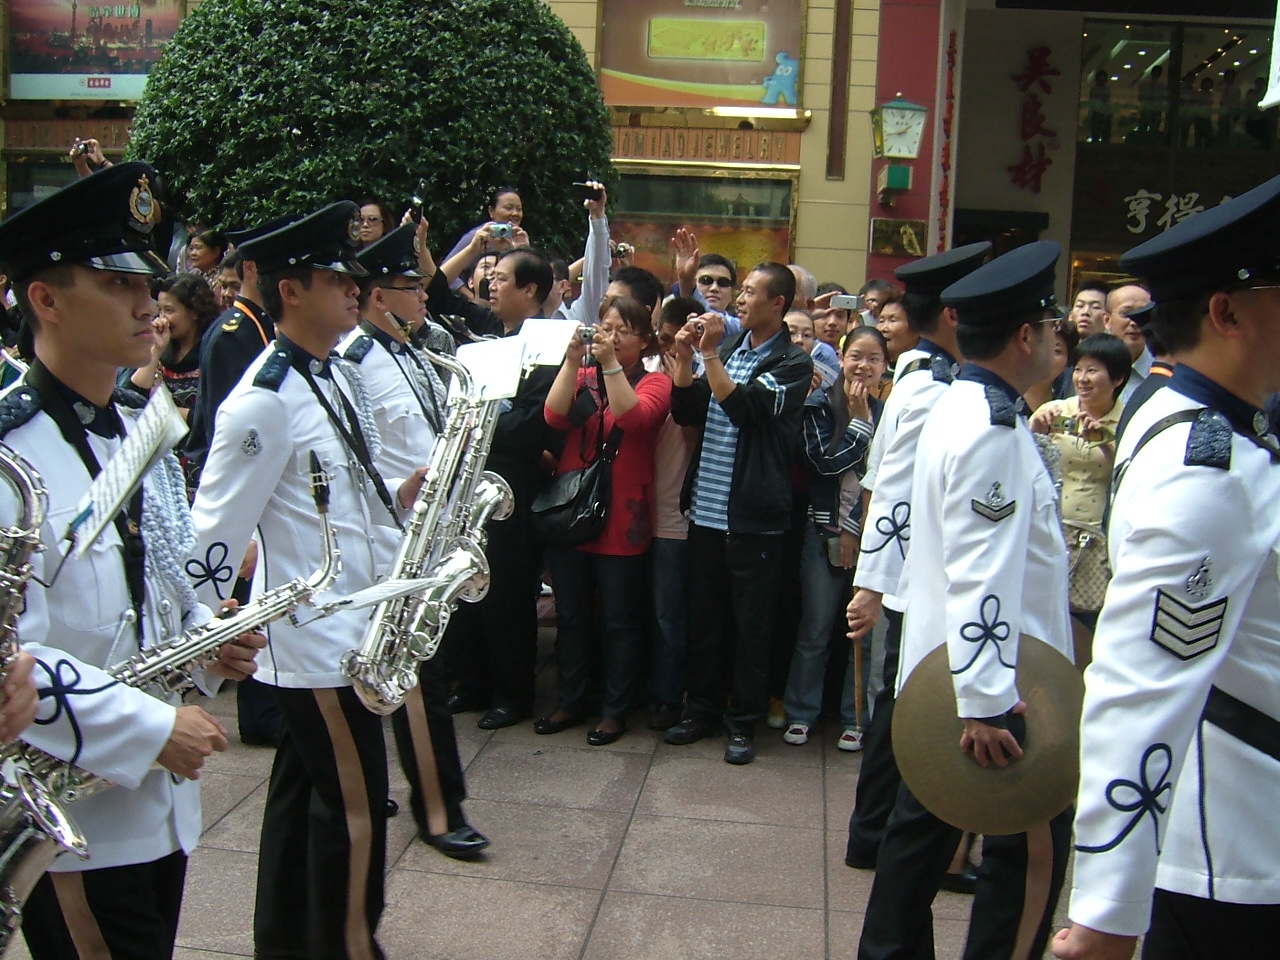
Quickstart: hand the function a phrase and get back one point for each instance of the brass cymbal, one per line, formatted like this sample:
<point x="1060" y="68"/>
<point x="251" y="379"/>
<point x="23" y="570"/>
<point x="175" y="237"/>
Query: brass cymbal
<point x="992" y="800"/>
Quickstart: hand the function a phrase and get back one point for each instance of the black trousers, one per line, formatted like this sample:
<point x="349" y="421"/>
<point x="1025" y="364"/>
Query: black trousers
<point x="1192" y="928"/>
<point x="1019" y="882"/>
<point x="619" y="582"/>
<point x="428" y="748"/>
<point x="491" y="647"/>
<point x="128" y="913"/>
<point x="733" y="609"/>
<point x="256" y="710"/>
<point x="324" y="832"/>
<point x="878" y="779"/>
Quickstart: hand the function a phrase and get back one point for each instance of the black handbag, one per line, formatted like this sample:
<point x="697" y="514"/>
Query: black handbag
<point x="574" y="507"/>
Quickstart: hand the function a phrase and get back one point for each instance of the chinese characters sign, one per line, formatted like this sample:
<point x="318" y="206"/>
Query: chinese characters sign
<point x="65" y="49"/>
<point x="701" y="53"/>
<point x="1032" y="81"/>
<point x="1142" y="204"/>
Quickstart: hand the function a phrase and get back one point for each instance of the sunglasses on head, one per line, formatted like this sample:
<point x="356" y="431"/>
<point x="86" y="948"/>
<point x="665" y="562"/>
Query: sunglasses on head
<point x="707" y="280"/>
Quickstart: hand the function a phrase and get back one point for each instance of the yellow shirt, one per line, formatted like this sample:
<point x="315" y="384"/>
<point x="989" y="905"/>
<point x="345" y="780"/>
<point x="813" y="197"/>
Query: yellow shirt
<point x="1086" y="468"/>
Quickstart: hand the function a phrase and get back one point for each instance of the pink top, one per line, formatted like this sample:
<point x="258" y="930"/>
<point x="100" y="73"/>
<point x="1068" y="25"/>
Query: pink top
<point x="629" y="527"/>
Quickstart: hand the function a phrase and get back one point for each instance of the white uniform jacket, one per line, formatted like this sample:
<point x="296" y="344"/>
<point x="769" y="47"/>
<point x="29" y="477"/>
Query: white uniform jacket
<point x="406" y="409"/>
<point x="258" y="475"/>
<point x="1168" y="797"/>
<point x="987" y="560"/>
<point x="75" y="631"/>
<point x="886" y="529"/>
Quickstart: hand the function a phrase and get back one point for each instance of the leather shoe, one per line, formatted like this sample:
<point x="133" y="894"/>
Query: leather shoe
<point x="459" y="702"/>
<point x="740" y="750"/>
<point x="966" y="881"/>
<point x="500" y="717"/>
<point x="461" y="844"/>
<point x="687" y="731"/>
<point x="545" y="725"/>
<point x="600" y="738"/>
<point x="664" y="715"/>
<point x="392" y="808"/>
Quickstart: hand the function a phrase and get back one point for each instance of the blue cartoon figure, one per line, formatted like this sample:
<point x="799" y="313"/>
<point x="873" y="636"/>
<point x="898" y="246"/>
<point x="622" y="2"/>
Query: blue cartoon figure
<point x="780" y="86"/>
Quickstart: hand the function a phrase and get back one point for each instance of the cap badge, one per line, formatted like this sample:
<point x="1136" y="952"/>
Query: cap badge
<point x="143" y="207"/>
<point x="1260" y="423"/>
<point x="417" y="244"/>
<point x="353" y="228"/>
<point x="1243" y="273"/>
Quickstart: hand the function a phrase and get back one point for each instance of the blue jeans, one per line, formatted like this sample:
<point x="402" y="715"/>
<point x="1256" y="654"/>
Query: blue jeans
<point x="671" y="619"/>
<point x="619" y="582"/>
<point x="822" y="590"/>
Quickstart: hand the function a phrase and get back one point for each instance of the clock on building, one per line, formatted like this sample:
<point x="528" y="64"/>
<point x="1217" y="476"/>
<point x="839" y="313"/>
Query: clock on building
<point x="897" y="129"/>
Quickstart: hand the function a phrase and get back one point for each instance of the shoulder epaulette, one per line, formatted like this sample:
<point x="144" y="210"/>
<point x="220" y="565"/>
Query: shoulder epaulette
<point x="943" y="372"/>
<point x="233" y="322"/>
<point x="17" y="407"/>
<point x="359" y="348"/>
<point x="1209" y="443"/>
<point x="273" y="371"/>
<point x="1003" y="411"/>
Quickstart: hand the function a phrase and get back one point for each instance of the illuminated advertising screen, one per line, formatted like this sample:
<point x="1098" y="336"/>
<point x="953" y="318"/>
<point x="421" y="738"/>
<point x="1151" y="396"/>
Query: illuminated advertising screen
<point x="71" y="50"/>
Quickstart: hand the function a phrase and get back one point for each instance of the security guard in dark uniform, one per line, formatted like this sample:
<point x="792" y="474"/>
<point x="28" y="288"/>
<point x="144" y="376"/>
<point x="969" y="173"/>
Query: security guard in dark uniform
<point x="408" y="399"/>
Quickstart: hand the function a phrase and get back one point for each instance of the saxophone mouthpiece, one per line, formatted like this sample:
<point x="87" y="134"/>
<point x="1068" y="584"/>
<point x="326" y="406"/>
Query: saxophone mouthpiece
<point x="319" y="484"/>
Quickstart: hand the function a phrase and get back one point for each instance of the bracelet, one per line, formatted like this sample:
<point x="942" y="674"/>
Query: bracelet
<point x="610" y="373"/>
<point x="711" y="356"/>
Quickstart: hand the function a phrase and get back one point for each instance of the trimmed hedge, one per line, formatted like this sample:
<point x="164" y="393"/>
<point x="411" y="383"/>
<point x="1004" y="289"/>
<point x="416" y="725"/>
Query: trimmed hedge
<point x="260" y="108"/>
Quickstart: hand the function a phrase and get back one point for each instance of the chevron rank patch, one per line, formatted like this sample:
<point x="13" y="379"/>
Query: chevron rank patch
<point x="1187" y="630"/>
<point x="994" y="506"/>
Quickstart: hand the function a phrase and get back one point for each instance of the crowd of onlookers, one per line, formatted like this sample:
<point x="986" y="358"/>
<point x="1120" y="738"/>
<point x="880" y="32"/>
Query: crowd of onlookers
<point x="740" y="408"/>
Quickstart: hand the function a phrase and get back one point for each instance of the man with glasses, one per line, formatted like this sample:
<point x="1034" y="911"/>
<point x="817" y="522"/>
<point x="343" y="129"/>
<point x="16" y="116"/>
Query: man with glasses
<point x="1121" y="302"/>
<point x="408" y="399"/>
<point x="1180" y="728"/>
<point x="708" y="278"/>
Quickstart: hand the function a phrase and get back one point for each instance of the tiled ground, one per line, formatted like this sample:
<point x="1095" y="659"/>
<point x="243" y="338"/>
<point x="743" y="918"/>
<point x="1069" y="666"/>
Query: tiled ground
<point x="635" y="851"/>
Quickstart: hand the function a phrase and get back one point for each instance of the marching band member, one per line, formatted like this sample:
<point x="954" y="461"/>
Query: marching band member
<point x="408" y="400"/>
<point x="1180" y="732"/>
<point x="922" y="376"/>
<point x="81" y="260"/>
<point x="987" y="564"/>
<point x="321" y="857"/>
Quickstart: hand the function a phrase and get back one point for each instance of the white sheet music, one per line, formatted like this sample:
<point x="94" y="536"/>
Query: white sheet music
<point x="152" y="436"/>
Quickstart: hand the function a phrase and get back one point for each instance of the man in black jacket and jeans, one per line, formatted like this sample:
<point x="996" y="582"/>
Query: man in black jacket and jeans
<point x="738" y="491"/>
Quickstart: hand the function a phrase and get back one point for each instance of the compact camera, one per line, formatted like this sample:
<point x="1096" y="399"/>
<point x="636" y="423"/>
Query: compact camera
<point x="700" y="327"/>
<point x="501" y="231"/>
<point x="588" y="336"/>
<point x="83" y="149"/>
<point x="622" y="250"/>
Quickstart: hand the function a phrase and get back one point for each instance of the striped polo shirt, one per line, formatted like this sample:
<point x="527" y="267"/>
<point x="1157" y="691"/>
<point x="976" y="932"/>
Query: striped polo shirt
<point x="711" y="484"/>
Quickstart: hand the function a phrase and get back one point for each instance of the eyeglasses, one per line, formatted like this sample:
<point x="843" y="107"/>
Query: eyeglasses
<point x="366" y="221"/>
<point x="618" y="332"/>
<point x="707" y="280"/>
<point x="411" y="288"/>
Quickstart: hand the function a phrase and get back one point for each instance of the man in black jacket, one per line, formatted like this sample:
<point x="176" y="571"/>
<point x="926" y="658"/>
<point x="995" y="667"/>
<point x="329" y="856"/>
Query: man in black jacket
<point x="738" y="491"/>
<point x="490" y="647"/>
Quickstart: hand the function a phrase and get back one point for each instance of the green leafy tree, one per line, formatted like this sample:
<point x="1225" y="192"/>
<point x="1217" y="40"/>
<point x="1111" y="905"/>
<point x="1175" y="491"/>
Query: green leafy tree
<point x="260" y="108"/>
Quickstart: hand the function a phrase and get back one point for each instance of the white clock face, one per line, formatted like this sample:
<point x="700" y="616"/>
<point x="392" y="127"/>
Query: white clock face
<point x="903" y="131"/>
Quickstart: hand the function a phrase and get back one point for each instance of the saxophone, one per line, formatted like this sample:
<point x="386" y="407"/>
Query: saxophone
<point x="34" y="784"/>
<point x="33" y="826"/>
<point x="443" y="543"/>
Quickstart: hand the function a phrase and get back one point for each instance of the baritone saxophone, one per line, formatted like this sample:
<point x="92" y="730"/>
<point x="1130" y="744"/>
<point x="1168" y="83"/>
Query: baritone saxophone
<point x="443" y="545"/>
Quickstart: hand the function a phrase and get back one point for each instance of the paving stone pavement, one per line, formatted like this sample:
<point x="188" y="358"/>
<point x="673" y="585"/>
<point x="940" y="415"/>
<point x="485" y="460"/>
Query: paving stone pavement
<point x="633" y="851"/>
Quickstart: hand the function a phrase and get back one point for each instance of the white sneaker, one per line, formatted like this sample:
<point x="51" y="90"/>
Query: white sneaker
<point x="850" y="741"/>
<point x="797" y="734"/>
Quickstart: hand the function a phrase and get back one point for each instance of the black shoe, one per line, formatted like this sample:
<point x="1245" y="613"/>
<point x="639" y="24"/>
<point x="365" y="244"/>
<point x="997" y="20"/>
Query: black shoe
<point x="740" y="750"/>
<point x="260" y="740"/>
<point x="860" y="861"/>
<point x="392" y="808"/>
<point x="664" y="715"/>
<point x="500" y="717"/>
<point x="600" y="738"/>
<point x="966" y="881"/>
<point x="459" y="702"/>
<point x="688" y="731"/>
<point x="545" y="725"/>
<point x="464" y="843"/>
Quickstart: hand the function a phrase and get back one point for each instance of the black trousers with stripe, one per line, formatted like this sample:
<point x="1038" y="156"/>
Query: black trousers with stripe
<point x="428" y="746"/>
<point x="324" y="832"/>
<point x="1019" y="882"/>
<point x="878" y="777"/>
<point x="120" y="913"/>
<point x="1193" y="928"/>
